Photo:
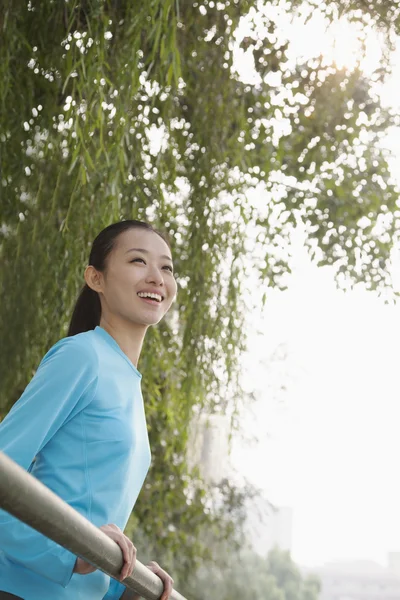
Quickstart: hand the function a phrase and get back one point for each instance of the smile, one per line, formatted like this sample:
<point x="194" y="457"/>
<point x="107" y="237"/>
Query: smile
<point x="151" y="295"/>
<point x="151" y="301"/>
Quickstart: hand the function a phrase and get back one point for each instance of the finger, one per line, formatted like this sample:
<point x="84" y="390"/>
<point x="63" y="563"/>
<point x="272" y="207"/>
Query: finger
<point x="165" y="595"/>
<point x="122" y="542"/>
<point x="167" y="588"/>
<point x="127" y="559"/>
<point x="132" y="556"/>
<point x="167" y="582"/>
<point x="157" y="570"/>
<point x="170" y="587"/>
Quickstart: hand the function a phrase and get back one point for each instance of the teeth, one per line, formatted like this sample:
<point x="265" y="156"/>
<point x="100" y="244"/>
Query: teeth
<point x="150" y="295"/>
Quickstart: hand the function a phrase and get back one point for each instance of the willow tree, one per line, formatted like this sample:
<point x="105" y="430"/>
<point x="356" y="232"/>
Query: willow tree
<point x="87" y="89"/>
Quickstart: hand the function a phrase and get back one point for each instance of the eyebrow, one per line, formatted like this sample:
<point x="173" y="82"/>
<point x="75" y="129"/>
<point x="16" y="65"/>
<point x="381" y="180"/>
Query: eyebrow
<point x="147" y="252"/>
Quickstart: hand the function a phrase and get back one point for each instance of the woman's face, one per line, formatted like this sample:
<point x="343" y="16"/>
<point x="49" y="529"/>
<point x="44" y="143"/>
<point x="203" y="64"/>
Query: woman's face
<point x="139" y="263"/>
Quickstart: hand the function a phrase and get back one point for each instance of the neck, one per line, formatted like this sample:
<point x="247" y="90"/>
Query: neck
<point x="129" y="336"/>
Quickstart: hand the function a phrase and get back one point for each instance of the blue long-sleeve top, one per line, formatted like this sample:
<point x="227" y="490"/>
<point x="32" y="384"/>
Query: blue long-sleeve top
<point x="80" y="428"/>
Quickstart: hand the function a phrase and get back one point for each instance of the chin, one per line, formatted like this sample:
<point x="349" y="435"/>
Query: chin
<point x="149" y="322"/>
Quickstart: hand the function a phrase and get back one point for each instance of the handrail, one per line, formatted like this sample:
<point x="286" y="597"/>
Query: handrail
<point x="21" y="494"/>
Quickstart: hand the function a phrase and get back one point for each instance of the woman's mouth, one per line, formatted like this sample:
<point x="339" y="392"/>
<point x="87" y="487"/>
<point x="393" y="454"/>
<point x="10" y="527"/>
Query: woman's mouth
<point x="150" y="301"/>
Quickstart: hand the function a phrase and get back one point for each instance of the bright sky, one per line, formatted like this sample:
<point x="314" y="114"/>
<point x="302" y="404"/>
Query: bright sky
<point x="330" y="447"/>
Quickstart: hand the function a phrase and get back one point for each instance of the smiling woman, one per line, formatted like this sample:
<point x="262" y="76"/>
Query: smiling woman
<point x="140" y="262"/>
<point x="110" y="271"/>
<point x="83" y="421"/>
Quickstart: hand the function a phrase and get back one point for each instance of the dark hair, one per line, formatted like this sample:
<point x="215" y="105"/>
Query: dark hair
<point x="87" y="311"/>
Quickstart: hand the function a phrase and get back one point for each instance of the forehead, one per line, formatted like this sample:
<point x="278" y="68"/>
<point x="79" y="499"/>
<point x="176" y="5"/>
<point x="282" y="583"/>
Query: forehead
<point x="141" y="238"/>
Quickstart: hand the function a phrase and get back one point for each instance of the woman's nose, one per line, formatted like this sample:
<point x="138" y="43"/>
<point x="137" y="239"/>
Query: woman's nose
<point x="155" y="276"/>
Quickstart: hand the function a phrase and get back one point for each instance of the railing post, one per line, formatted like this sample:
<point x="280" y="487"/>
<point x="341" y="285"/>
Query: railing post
<point x="26" y="498"/>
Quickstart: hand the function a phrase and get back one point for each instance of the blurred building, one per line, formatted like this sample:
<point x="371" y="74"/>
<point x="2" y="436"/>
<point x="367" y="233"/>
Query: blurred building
<point x="208" y="447"/>
<point x="265" y="526"/>
<point x="360" y="580"/>
<point x="268" y="526"/>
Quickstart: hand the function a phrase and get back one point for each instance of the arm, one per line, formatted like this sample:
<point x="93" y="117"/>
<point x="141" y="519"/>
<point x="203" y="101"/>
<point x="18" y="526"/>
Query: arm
<point x="63" y="385"/>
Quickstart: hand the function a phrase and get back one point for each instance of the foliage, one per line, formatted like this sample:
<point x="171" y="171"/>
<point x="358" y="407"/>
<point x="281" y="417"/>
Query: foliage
<point x="289" y="579"/>
<point x="85" y="88"/>
<point x="223" y="518"/>
<point x="243" y="574"/>
<point x="384" y="15"/>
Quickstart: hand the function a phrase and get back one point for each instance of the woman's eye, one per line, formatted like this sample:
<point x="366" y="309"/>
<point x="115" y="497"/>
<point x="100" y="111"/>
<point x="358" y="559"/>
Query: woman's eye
<point x="136" y="259"/>
<point x="141" y="260"/>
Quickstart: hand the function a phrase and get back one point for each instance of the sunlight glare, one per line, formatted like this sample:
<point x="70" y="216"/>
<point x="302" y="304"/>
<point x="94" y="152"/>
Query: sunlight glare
<point x="341" y="43"/>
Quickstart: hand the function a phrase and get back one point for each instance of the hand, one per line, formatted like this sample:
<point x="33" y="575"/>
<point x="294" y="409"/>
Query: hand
<point x="128" y="550"/>
<point x="165" y="578"/>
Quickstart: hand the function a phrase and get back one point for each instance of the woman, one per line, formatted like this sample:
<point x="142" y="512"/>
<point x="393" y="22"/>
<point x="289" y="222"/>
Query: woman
<point x="80" y="428"/>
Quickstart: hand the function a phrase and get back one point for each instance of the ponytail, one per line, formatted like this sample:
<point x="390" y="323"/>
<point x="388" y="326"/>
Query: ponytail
<point x="87" y="312"/>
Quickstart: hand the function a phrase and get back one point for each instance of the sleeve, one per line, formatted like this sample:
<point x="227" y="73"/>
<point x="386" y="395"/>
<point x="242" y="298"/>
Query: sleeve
<point x="63" y="385"/>
<point x="115" y="590"/>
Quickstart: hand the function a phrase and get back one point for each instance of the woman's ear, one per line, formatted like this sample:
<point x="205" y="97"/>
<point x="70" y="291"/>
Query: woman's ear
<point x="93" y="279"/>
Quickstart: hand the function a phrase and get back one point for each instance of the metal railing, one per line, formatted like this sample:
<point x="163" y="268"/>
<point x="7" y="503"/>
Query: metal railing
<point x="21" y="495"/>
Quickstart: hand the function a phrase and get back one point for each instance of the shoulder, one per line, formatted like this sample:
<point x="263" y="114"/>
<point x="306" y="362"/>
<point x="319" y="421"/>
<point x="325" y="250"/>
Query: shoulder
<point x="76" y="349"/>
